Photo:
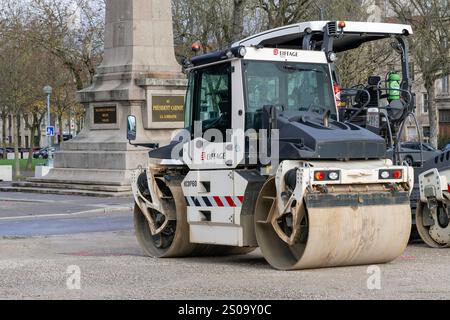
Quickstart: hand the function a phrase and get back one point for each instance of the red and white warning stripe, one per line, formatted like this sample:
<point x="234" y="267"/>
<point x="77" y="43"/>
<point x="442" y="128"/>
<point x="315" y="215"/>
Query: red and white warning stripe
<point x="215" y="201"/>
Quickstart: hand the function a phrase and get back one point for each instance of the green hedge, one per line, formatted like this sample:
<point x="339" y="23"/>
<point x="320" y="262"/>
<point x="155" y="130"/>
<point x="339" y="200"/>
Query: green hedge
<point x="23" y="163"/>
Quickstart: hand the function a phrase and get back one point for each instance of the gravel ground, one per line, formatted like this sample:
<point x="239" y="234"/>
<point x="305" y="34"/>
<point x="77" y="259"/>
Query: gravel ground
<point x="42" y="237"/>
<point x="112" y="267"/>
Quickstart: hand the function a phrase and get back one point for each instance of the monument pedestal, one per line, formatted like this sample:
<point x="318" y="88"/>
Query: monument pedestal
<point x="101" y="155"/>
<point x="139" y="76"/>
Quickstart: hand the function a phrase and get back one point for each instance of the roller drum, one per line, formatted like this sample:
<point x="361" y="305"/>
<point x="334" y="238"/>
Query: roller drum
<point x="353" y="229"/>
<point x="433" y="225"/>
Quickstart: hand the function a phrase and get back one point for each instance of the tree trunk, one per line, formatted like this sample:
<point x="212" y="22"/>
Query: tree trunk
<point x="15" y="130"/>
<point x="38" y="130"/>
<point x="433" y="114"/>
<point x="4" y="117"/>
<point x="60" y="128"/>
<point x="39" y="137"/>
<point x="32" y="145"/>
<point x="238" y="19"/>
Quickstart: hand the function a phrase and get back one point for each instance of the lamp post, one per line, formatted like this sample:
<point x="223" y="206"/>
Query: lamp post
<point x="48" y="91"/>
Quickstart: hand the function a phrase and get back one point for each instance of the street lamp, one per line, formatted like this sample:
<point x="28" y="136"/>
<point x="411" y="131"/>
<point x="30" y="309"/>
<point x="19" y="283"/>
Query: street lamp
<point x="48" y="91"/>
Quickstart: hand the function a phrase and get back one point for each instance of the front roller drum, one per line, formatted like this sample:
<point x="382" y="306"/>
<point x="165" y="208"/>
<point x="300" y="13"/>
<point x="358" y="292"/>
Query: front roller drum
<point x="433" y="225"/>
<point x="340" y="233"/>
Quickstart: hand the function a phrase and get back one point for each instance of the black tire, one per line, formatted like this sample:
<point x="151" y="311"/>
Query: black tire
<point x="179" y="245"/>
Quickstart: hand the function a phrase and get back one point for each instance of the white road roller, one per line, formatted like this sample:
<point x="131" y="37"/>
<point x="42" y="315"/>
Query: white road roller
<point x="267" y="161"/>
<point x="432" y="214"/>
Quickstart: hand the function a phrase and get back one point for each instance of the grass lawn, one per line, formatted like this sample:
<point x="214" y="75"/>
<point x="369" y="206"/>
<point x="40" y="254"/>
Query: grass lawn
<point x="23" y="163"/>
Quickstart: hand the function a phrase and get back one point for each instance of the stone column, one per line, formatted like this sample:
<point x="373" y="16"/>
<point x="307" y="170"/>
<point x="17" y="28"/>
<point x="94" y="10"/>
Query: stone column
<point x="139" y="75"/>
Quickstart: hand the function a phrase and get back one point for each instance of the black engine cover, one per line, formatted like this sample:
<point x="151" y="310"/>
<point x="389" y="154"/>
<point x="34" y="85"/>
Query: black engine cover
<point x="304" y="136"/>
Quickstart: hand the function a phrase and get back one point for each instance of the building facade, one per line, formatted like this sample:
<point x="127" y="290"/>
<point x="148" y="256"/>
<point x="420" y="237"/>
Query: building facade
<point x="40" y="138"/>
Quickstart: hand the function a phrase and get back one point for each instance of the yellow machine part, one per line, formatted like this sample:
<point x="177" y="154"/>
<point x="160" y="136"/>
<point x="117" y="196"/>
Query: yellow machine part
<point x="338" y="235"/>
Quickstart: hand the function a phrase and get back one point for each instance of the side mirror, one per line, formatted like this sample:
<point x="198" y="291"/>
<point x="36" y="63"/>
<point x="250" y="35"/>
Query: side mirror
<point x="131" y="128"/>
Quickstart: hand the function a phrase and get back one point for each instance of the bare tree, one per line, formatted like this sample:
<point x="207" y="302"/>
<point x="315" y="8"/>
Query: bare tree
<point x="15" y="87"/>
<point x="72" y="32"/>
<point x="238" y="19"/>
<point x="431" y="22"/>
<point x="283" y="12"/>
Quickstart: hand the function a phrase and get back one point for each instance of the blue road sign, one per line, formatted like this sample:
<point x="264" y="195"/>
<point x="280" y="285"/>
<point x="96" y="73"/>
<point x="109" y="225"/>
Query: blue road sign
<point x="50" y="131"/>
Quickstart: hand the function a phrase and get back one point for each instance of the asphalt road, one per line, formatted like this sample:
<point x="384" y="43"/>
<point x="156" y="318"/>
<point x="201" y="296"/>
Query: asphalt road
<point x="36" y="254"/>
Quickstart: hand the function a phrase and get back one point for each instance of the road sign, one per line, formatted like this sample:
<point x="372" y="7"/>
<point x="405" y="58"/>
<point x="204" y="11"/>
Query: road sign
<point x="50" y="131"/>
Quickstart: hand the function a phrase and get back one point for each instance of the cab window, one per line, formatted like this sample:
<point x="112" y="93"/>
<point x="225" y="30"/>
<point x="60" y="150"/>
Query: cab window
<point x="292" y="85"/>
<point x="212" y="97"/>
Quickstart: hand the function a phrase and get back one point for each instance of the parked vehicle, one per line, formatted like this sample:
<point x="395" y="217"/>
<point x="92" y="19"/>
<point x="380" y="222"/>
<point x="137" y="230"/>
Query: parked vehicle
<point x="446" y="148"/>
<point x="3" y="154"/>
<point x="67" y="137"/>
<point x="43" y="153"/>
<point x="411" y="154"/>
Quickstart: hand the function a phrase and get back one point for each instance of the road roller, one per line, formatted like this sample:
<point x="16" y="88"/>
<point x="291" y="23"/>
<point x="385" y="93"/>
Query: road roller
<point x="432" y="214"/>
<point x="270" y="158"/>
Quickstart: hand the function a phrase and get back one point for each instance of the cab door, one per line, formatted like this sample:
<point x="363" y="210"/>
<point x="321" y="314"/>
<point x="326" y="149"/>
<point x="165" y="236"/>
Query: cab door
<point x="217" y="119"/>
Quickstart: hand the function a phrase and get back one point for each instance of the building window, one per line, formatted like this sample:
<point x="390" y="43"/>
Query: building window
<point x="445" y="85"/>
<point x="426" y="132"/>
<point x="425" y="103"/>
<point x="444" y="116"/>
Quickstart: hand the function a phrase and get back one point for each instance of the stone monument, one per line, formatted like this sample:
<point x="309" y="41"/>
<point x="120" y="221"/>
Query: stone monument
<point x="139" y="75"/>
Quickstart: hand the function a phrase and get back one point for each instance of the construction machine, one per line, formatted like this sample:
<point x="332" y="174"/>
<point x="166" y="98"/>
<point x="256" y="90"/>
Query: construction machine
<point x="432" y="214"/>
<point x="269" y="159"/>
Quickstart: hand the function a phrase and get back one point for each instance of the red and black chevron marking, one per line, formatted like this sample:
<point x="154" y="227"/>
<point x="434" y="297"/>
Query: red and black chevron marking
<point x="215" y="201"/>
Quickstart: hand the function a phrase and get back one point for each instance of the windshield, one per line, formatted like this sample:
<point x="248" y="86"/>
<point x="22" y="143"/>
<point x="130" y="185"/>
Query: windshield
<point x="294" y="86"/>
<point x="428" y="147"/>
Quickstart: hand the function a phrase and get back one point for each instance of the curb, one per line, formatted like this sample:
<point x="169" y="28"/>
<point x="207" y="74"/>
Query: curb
<point x="94" y="211"/>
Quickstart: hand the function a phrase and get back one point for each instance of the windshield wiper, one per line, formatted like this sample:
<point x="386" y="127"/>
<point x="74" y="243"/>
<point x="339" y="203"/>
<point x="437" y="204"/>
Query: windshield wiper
<point x="294" y="68"/>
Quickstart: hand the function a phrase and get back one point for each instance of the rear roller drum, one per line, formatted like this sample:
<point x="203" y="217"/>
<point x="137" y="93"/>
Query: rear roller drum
<point x="433" y="225"/>
<point x="172" y="239"/>
<point x="163" y="245"/>
<point x="324" y="234"/>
